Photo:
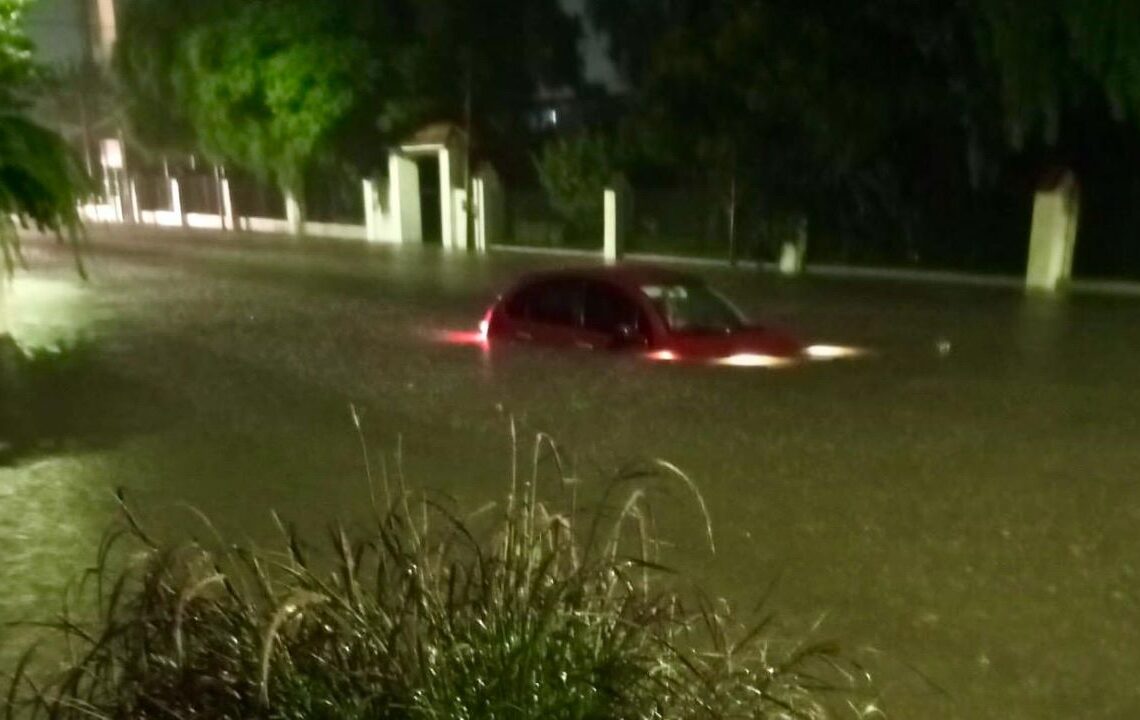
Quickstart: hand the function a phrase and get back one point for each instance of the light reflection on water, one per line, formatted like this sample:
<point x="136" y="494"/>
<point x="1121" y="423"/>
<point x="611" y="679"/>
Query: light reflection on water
<point x="44" y="311"/>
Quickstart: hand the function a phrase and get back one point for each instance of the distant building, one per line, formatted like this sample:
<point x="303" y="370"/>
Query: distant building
<point x="75" y="39"/>
<point x="72" y="32"/>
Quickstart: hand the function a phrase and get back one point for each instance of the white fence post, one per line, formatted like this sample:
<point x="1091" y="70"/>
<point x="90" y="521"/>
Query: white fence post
<point x="229" y="221"/>
<point x="136" y="213"/>
<point x="490" y="208"/>
<point x="793" y="252"/>
<point x="176" y="202"/>
<point x="1053" y="235"/>
<point x="371" y="209"/>
<point x="616" y="211"/>
<point x="293" y="215"/>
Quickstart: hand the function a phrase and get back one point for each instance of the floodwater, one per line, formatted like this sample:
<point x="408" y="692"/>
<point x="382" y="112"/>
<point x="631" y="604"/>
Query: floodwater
<point x="961" y="507"/>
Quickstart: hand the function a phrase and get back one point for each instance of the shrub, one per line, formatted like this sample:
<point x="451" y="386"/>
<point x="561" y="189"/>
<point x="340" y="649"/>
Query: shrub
<point x="574" y="172"/>
<point x="518" y="611"/>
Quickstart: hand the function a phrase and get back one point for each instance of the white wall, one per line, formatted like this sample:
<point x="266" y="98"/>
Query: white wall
<point x="58" y="29"/>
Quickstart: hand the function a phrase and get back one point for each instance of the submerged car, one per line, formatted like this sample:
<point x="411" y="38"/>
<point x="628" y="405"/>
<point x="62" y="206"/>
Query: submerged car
<point x="664" y="314"/>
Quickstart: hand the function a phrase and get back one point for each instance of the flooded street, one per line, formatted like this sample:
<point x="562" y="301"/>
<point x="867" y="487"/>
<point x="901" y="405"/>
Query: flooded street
<point x="962" y="506"/>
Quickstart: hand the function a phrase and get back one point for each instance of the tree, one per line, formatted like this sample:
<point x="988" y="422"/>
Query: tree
<point x="41" y="184"/>
<point x="41" y="181"/>
<point x="1054" y="55"/>
<point x="796" y="101"/>
<point x="266" y="88"/>
<point x="871" y="119"/>
<point x="574" y="173"/>
<point x="149" y="66"/>
<point x="417" y="61"/>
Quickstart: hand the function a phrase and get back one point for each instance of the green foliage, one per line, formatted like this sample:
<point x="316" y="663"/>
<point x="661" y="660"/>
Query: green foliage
<point x="148" y="64"/>
<point x="536" y="612"/>
<point x="41" y="182"/>
<point x="267" y="87"/>
<point x="574" y="172"/>
<point x="1056" y="54"/>
<point x="412" y="62"/>
<point x="16" y="65"/>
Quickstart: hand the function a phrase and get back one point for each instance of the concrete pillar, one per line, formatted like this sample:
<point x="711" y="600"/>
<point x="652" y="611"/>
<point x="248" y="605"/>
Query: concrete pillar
<point x="490" y="208"/>
<point x="1053" y="234"/>
<point x="479" y="192"/>
<point x="404" y="200"/>
<point x="229" y="221"/>
<point x="448" y="209"/>
<point x="793" y="252"/>
<point x="176" y="201"/>
<point x="373" y="212"/>
<point x="293" y="215"/>
<point x="118" y="199"/>
<point x="459" y="225"/>
<point x="617" y="209"/>
<point x="133" y="189"/>
<point x="104" y="29"/>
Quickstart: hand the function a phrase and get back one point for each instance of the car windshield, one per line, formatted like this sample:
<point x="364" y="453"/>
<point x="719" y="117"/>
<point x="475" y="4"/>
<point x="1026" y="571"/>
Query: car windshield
<point x="693" y="307"/>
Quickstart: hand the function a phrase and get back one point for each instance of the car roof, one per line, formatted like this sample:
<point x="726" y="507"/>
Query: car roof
<point x="632" y="276"/>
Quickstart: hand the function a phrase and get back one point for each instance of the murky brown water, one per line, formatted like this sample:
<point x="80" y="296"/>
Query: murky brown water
<point x="973" y="516"/>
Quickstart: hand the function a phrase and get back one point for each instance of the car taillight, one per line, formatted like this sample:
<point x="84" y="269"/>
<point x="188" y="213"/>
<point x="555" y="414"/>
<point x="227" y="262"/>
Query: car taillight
<point x="485" y="323"/>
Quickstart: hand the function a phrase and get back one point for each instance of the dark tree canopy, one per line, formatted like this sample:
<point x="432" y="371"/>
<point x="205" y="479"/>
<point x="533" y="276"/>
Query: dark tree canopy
<point x="149" y="66"/>
<point x="881" y="118"/>
<point x="268" y="86"/>
<point x="420" y="61"/>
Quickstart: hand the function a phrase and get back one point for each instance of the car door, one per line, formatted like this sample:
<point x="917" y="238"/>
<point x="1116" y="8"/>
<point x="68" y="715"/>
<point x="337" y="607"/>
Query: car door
<point x="610" y="318"/>
<point x="550" y="312"/>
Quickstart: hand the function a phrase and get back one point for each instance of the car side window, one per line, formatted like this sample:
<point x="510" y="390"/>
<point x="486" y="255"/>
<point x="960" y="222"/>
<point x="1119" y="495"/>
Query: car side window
<point x="555" y="302"/>
<point x="518" y="304"/>
<point x="606" y="308"/>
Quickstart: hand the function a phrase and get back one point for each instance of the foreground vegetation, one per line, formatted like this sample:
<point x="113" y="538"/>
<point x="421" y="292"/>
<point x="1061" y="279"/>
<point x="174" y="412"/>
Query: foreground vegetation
<point x="521" y="610"/>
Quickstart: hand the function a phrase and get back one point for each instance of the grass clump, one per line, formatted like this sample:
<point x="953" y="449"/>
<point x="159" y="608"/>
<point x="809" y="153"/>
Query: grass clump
<point x="522" y="610"/>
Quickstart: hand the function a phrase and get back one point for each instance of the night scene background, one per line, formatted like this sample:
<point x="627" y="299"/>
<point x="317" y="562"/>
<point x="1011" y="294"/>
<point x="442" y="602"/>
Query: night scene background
<point x="259" y="458"/>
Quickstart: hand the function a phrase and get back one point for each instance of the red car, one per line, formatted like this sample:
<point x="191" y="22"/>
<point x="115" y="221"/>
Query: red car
<point x="667" y="315"/>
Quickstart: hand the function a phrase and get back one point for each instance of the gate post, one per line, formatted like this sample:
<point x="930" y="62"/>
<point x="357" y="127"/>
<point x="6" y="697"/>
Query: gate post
<point x="1053" y="234"/>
